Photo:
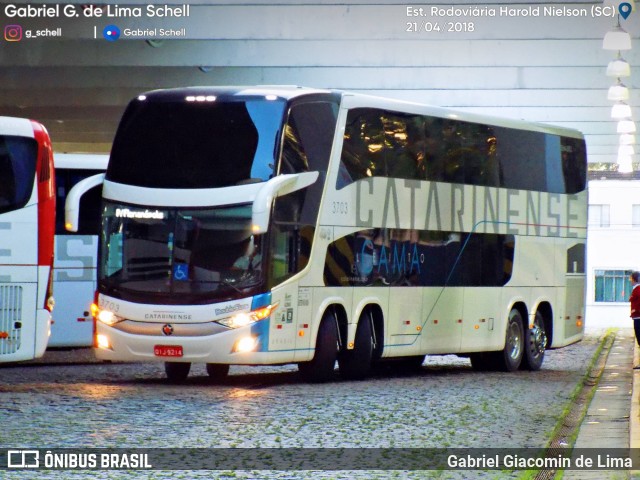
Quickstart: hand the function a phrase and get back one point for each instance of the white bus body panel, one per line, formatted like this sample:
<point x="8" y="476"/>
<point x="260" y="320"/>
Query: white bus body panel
<point x="23" y="286"/>
<point x="74" y="269"/>
<point x="74" y="284"/>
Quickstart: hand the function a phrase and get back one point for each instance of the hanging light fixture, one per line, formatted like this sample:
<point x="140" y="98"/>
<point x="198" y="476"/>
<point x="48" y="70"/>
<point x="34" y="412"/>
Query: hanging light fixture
<point x="625" y="164"/>
<point x="617" y="39"/>
<point x="626" y="126"/>
<point x="618" y="92"/>
<point x="626" y="150"/>
<point x="620" y="110"/>
<point x="627" y="139"/>
<point x="618" y="68"/>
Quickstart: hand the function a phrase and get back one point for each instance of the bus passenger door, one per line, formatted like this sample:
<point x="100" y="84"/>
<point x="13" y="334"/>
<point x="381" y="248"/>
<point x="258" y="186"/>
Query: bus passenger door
<point x="442" y="330"/>
<point x="74" y="285"/>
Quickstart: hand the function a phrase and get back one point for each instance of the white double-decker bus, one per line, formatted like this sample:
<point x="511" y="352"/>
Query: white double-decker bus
<point x="279" y="225"/>
<point x="27" y="217"/>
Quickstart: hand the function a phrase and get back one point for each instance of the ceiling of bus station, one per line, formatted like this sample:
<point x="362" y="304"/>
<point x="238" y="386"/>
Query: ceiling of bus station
<point x="550" y="70"/>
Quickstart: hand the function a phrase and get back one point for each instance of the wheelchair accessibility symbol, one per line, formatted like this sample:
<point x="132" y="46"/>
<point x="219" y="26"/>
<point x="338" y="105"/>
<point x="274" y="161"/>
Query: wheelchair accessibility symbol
<point x="181" y="272"/>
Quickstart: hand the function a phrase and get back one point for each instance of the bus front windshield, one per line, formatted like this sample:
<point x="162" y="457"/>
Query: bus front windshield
<point x="179" y="256"/>
<point x="179" y="144"/>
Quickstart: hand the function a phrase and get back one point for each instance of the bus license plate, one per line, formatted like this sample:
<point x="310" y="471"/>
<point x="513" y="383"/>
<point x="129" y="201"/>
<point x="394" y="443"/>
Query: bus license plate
<point x="167" y="350"/>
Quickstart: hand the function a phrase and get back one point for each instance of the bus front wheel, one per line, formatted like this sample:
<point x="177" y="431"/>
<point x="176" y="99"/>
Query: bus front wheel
<point x="177" y="371"/>
<point x="321" y="367"/>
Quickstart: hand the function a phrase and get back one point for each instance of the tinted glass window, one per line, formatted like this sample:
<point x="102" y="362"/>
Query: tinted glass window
<point x="308" y="136"/>
<point x="383" y="257"/>
<point x="17" y="171"/>
<point x="389" y="144"/>
<point x="89" y="218"/>
<point x="179" y="256"/>
<point x="196" y="144"/>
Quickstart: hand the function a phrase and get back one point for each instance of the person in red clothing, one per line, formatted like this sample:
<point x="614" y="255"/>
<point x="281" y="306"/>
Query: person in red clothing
<point x="635" y="305"/>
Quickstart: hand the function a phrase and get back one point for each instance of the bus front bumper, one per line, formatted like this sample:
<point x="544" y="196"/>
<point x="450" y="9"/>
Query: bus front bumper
<point x="241" y="346"/>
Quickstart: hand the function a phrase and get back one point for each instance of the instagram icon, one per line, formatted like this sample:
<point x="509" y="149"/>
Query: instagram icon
<point x="13" y="33"/>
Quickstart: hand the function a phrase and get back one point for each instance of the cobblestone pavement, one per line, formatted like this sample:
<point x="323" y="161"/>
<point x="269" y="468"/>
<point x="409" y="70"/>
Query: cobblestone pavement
<point x="446" y="404"/>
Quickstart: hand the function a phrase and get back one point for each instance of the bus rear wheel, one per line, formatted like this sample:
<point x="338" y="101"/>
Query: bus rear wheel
<point x="356" y="364"/>
<point x="217" y="371"/>
<point x="322" y="367"/>
<point x="510" y="358"/>
<point x="535" y="342"/>
<point x="177" y="371"/>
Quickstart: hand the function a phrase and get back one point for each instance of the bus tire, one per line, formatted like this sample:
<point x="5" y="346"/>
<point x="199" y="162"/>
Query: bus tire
<point x="322" y="367"/>
<point x="535" y="342"/>
<point x="510" y="358"/>
<point x="217" y="371"/>
<point x="356" y="364"/>
<point x="177" y="371"/>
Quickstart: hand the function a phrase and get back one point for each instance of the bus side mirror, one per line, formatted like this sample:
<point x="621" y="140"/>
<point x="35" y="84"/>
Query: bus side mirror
<point x="276" y="187"/>
<point x="72" y="204"/>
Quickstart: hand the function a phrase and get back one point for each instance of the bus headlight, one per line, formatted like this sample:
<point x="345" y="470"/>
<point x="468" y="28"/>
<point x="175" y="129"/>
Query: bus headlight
<point x="51" y="302"/>
<point x="242" y="319"/>
<point x="108" y="318"/>
<point x="103" y="342"/>
<point x="246" y="344"/>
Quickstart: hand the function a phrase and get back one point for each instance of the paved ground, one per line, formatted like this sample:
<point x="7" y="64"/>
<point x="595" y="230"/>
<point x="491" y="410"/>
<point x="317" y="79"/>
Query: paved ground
<point x="447" y="404"/>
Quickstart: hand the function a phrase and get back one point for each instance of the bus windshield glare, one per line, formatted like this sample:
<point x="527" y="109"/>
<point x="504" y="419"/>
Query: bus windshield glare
<point x="179" y="256"/>
<point x="187" y="144"/>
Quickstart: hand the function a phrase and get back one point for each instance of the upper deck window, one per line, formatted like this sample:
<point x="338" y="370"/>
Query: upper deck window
<point x="181" y="144"/>
<point x="380" y="143"/>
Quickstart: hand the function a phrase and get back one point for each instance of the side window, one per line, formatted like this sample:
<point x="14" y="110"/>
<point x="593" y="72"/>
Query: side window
<point x="89" y="219"/>
<point x="574" y="164"/>
<point x="390" y="144"/>
<point x="308" y="137"/>
<point x="393" y="144"/>
<point x="541" y="161"/>
<point x="404" y="145"/>
<point x="612" y="286"/>
<point x="362" y="149"/>
<point x="462" y="152"/>
<point x="17" y="171"/>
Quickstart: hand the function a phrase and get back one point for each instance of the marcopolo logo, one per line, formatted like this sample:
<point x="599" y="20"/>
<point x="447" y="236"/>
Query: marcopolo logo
<point x="111" y="33"/>
<point x="23" y="459"/>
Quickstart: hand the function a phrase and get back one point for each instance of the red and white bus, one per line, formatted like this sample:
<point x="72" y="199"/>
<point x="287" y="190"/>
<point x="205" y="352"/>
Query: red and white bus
<point x="27" y="223"/>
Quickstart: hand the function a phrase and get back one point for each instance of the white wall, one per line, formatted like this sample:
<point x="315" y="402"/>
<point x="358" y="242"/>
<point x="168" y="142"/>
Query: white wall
<point x="614" y="248"/>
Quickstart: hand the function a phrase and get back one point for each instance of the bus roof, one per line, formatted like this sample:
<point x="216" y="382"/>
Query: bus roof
<point x="286" y="92"/>
<point x="19" y="127"/>
<point x="353" y="100"/>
